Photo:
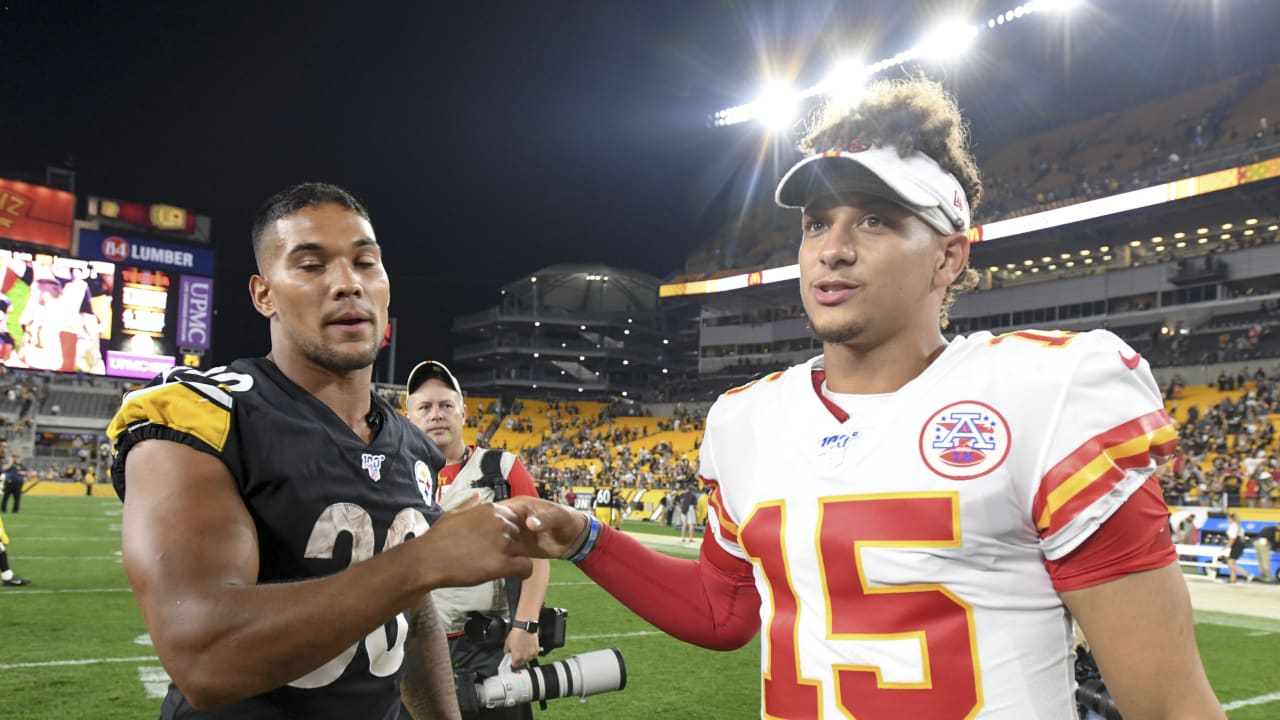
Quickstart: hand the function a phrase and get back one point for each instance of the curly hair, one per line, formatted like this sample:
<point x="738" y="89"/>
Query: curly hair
<point x="916" y="115"/>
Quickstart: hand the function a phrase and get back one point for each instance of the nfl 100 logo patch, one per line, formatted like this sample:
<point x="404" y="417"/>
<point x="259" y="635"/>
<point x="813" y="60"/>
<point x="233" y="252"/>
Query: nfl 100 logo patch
<point x="831" y="448"/>
<point x="964" y="440"/>
<point x="372" y="464"/>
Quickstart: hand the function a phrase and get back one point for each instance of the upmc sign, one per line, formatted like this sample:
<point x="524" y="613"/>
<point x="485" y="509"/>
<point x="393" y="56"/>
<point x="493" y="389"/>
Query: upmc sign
<point x="95" y="245"/>
<point x="195" y="312"/>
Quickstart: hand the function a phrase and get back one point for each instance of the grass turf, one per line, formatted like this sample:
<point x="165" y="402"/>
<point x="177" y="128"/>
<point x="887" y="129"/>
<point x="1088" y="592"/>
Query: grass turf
<point x="75" y="645"/>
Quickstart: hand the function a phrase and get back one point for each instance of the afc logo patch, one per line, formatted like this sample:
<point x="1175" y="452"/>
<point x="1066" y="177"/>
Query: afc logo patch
<point x="964" y="440"/>
<point x="373" y="465"/>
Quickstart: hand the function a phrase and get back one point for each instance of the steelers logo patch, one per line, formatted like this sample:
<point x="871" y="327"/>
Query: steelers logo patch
<point x="964" y="440"/>
<point x="422" y="474"/>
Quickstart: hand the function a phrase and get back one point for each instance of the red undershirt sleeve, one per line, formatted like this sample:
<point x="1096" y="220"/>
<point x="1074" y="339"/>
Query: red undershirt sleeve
<point x="1135" y="539"/>
<point x="710" y="602"/>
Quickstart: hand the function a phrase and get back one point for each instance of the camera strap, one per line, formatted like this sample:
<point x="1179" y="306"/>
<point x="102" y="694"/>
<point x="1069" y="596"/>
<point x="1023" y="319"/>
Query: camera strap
<point x="491" y="477"/>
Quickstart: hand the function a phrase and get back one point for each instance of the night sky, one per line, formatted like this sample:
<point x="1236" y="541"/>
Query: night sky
<point x="490" y="139"/>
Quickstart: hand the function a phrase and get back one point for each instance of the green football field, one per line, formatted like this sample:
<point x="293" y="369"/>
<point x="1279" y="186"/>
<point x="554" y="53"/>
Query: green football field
<point x="74" y="645"/>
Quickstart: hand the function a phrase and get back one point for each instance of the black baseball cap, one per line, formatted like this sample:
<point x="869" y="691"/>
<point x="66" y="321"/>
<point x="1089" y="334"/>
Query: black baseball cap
<point x="427" y="370"/>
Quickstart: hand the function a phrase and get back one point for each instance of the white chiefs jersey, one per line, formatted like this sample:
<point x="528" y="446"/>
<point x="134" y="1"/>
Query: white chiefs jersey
<point x="899" y="552"/>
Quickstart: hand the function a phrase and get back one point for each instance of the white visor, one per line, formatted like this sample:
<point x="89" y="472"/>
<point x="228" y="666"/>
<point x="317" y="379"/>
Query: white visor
<point x="915" y="182"/>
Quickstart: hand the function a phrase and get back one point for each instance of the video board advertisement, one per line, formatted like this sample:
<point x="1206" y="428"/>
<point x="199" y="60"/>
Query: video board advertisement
<point x="36" y="214"/>
<point x="150" y="217"/>
<point x="164" y="302"/>
<point x="57" y="312"/>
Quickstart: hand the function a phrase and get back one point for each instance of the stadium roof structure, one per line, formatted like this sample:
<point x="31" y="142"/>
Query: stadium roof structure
<point x="592" y="289"/>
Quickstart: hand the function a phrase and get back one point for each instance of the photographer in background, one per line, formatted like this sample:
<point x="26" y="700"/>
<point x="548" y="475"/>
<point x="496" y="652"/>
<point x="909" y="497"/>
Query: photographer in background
<point x="436" y="406"/>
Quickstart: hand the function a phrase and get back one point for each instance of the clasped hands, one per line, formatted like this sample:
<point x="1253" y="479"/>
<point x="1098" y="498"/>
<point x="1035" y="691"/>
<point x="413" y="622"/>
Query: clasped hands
<point x="478" y="541"/>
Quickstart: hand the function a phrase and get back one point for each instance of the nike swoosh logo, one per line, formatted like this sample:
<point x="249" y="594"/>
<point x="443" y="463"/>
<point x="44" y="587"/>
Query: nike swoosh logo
<point x="1130" y="362"/>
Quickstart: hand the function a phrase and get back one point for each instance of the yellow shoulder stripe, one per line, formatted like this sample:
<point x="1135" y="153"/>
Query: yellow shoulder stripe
<point x="177" y="406"/>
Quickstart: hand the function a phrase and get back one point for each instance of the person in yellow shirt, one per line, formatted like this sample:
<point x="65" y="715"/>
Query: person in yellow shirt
<point x="6" y="575"/>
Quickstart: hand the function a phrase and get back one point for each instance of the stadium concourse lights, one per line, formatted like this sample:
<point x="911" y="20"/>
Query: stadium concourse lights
<point x="778" y="105"/>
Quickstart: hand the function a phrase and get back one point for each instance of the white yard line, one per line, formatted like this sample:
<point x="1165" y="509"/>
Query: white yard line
<point x="90" y="661"/>
<point x="65" y="557"/>
<point x="605" y="636"/>
<point x="27" y="537"/>
<point x="20" y="593"/>
<point x="155" y="681"/>
<point x="1259" y="700"/>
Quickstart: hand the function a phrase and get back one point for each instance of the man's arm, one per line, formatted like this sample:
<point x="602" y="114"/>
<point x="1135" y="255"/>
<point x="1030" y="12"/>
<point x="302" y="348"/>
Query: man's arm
<point x="711" y="602"/>
<point x="1141" y="632"/>
<point x="191" y="556"/>
<point x="427" y="688"/>
<point x="522" y="645"/>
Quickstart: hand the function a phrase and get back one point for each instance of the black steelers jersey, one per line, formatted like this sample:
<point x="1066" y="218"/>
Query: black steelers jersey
<point x="320" y="498"/>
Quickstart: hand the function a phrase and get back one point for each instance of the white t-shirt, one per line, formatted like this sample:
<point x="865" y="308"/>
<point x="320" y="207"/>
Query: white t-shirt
<point x="899" y="553"/>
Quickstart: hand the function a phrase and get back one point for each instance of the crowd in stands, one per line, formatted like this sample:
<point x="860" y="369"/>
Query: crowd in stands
<point x="573" y="436"/>
<point x="1227" y="454"/>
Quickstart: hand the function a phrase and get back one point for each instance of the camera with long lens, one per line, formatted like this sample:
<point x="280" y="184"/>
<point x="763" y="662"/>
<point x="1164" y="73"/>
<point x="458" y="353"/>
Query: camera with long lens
<point x="1092" y="698"/>
<point x="590" y="673"/>
<point x="491" y="630"/>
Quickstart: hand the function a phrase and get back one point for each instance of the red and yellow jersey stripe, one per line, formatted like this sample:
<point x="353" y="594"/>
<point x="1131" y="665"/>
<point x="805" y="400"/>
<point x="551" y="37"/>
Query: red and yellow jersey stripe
<point x="1097" y="466"/>
<point x="715" y="504"/>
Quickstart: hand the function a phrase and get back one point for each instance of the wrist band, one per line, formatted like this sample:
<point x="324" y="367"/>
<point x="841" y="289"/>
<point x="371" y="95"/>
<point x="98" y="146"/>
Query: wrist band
<point x="580" y="541"/>
<point x="592" y="536"/>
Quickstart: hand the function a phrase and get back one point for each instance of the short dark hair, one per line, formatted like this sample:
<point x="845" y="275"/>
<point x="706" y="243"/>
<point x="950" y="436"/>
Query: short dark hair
<point x="301" y="196"/>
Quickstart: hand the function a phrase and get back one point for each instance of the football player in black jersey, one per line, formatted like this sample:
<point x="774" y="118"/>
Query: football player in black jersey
<point x="275" y="526"/>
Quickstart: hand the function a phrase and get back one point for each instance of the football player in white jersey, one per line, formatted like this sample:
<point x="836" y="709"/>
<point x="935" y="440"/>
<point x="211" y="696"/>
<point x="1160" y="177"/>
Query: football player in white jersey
<point x="913" y="523"/>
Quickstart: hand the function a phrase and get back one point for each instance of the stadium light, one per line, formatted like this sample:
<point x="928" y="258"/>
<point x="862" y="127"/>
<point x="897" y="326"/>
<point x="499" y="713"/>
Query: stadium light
<point x="1060" y="6"/>
<point x="948" y="41"/>
<point x="777" y="106"/>
<point x="846" y="83"/>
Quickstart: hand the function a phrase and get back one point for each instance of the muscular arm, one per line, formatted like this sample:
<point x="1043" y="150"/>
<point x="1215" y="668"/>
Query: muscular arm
<point x="427" y="688"/>
<point x="191" y="557"/>
<point x="1141" y="633"/>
